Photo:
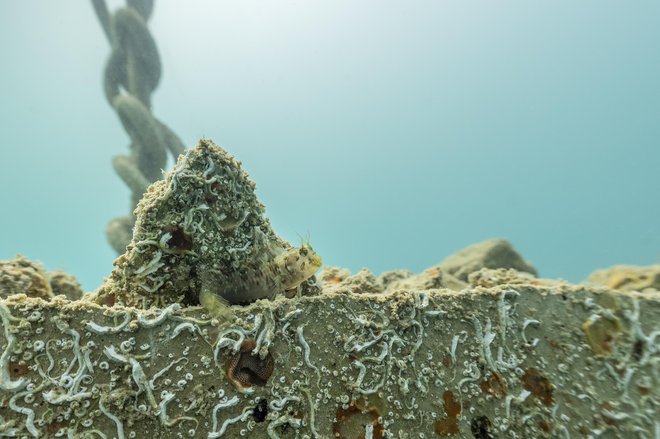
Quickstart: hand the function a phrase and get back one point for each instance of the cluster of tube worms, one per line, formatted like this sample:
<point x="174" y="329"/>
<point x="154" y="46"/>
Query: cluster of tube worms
<point x="422" y="364"/>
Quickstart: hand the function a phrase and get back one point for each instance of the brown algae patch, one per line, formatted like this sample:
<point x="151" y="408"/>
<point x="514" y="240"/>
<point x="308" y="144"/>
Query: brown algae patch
<point x="356" y="421"/>
<point x="602" y="332"/>
<point x="538" y="385"/>
<point x="448" y="426"/>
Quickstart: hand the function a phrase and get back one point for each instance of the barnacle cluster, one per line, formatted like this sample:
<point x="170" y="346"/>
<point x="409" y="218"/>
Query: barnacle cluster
<point x="201" y="233"/>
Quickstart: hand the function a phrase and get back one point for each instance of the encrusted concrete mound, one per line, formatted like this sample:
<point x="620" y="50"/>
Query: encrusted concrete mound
<point x="514" y="360"/>
<point x="202" y="232"/>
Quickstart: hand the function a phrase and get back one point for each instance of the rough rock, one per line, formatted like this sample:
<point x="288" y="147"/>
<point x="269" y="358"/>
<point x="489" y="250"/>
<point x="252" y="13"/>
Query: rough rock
<point x="201" y="233"/>
<point x="23" y="276"/>
<point x="434" y="277"/>
<point x="335" y="280"/>
<point x="627" y="278"/>
<point x="489" y="277"/>
<point x="65" y="284"/>
<point x="493" y="253"/>
<point x="333" y="275"/>
<point x="386" y="278"/>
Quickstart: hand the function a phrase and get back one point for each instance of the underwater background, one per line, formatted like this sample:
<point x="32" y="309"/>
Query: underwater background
<point x="395" y="133"/>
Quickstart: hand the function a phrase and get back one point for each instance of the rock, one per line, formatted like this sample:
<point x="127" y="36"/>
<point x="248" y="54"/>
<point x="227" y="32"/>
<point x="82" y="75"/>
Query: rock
<point x="489" y="278"/>
<point x="65" y="284"/>
<point x="201" y="233"/>
<point x="454" y="272"/>
<point x="388" y="277"/>
<point x="338" y="281"/>
<point x="431" y="278"/>
<point x="493" y="253"/>
<point x="489" y="263"/>
<point x="23" y="276"/>
<point x="333" y="275"/>
<point x="627" y="278"/>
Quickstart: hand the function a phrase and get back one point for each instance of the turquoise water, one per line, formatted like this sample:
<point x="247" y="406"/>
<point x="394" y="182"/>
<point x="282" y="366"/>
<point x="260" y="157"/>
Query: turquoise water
<point x="394" y="132"/>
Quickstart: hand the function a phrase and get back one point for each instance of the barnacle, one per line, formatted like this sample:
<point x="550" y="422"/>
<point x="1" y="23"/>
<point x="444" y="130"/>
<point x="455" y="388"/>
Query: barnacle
<point x="246" y="369"/>
<point x="333" y="275"/>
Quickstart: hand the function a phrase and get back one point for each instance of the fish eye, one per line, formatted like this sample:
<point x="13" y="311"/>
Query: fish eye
<point x="303" y="251"/>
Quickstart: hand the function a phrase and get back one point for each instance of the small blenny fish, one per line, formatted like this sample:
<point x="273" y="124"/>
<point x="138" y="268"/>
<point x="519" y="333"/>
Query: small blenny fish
<point x="284" y="271"/>
<point x="294" y="266"/>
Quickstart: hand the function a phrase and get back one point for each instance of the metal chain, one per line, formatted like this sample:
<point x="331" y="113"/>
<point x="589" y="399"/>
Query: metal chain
<point x="131" y="75"/>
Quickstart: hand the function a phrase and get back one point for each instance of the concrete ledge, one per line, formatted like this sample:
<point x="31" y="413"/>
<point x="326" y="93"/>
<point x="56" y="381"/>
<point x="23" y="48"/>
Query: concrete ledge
<point x="509" y="361"/>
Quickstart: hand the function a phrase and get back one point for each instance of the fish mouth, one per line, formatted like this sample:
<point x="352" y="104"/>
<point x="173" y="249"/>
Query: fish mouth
<point x="316" y="261"/>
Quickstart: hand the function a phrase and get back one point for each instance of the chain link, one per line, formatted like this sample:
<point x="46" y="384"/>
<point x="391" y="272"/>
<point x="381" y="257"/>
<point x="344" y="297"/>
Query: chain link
<point x="131" y="75"/>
